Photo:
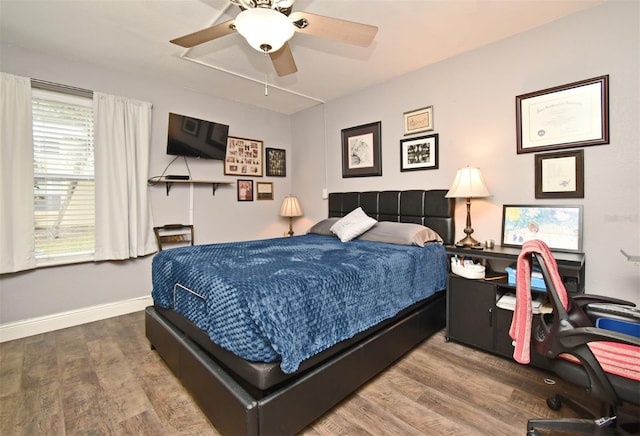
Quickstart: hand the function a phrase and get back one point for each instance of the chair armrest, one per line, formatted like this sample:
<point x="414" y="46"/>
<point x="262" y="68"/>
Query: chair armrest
<point x="583" y="335"/>
<point x="584" y="299"/>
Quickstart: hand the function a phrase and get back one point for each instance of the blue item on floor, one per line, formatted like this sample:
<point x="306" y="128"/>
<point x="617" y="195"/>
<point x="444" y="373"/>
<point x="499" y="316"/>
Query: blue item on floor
<point x="620" y="326"/>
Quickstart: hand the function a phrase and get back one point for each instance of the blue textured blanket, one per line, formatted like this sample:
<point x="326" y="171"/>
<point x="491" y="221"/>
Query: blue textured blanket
<point x="290" y="298"/>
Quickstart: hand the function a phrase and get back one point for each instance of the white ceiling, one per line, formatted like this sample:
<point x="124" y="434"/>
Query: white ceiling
<point x="133" y="37"/>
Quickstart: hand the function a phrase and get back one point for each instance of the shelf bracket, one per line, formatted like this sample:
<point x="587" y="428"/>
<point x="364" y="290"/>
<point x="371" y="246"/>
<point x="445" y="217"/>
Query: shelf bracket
<point x="168" y="186"/>
<point x="214" y="186"/>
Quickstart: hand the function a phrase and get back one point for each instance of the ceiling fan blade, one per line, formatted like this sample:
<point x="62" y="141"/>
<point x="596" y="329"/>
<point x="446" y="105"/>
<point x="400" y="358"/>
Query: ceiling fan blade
<point x="283" y="61"/>
<point x="205" y="35"/>
<point x="334" y="28"/>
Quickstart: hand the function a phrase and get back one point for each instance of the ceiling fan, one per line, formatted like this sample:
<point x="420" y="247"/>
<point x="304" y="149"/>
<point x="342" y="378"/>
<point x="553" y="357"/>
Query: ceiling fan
<point x="268" y="25"/>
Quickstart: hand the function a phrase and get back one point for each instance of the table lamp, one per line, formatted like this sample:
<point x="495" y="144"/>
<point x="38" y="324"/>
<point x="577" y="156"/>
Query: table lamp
<point x="468" y="184"/>
<point x="290" y="208"/>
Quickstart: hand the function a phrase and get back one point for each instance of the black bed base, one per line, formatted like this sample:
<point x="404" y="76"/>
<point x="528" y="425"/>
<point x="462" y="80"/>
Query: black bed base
<point x="301" y="400"/>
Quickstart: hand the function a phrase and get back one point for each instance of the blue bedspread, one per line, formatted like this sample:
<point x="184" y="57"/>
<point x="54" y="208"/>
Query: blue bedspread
<point x="290" y="298"/>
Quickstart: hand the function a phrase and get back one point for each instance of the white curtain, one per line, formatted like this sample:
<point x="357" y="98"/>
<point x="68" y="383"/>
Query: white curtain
<point x="17" y="246"/>
<point x="122" y="138"/>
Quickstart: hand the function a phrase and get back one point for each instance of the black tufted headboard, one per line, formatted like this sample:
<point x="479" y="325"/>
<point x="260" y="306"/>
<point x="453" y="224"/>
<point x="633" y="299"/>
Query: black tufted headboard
<point x="429" y="208"/>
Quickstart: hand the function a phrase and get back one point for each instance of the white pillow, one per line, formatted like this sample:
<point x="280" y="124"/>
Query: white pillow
<point x="352" y="225"/>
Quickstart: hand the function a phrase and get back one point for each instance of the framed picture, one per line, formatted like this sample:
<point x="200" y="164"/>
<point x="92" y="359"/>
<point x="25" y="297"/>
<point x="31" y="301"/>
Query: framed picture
<point x="243" y="158"/>
<point x="245" y="190"/>
<point x="560" y="175"/>
<point x="276" y="162"/>
<point x="190" y="126"/>
<point x="361" y="151"/>
<point x="560" y="227"/>
<point x="567" y="116"/>
<point x="419" y="120"/>
<point x="264" y="190"/>
<point x="419" y="153"/>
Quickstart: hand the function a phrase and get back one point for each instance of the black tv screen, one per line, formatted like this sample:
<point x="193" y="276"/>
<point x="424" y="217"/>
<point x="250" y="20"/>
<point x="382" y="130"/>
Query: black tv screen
<point x="192" y="137"/>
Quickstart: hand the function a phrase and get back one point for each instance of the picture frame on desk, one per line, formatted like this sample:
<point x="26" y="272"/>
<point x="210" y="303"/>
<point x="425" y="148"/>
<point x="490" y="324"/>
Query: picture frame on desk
<point x="560" y="227"/>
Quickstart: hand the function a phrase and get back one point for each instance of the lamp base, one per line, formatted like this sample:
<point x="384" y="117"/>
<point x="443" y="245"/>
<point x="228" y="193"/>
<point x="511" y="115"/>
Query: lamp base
<point x="468" y="241"/>
<point x="290" y="232"/>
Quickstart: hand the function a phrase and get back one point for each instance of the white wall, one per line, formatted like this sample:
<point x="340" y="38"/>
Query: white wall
<point x="216" y="218"/>
<point x="474" y="113"/>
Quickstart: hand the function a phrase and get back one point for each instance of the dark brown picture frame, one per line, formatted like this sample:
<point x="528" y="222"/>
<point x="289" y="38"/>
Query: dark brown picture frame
<point x="276" y="162"/>
<point x="361" y="150"/>
<point x="245" y="190"/>
<point x="566" y="116"/>
<point x="560" y="175"/>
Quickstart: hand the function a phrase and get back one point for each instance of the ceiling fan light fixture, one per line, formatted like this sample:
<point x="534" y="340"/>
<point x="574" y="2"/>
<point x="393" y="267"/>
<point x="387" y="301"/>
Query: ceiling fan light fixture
<point x="266" y="30"/>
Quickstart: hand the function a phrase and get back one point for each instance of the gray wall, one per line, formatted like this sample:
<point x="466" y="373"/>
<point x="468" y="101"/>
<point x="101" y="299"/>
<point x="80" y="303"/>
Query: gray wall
<point x="473" y="98"/>
<point x="216" y="218"/>
<point x="474" y="112"/>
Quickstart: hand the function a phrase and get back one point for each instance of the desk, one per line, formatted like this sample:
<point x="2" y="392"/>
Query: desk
<point x="472" y="315"/>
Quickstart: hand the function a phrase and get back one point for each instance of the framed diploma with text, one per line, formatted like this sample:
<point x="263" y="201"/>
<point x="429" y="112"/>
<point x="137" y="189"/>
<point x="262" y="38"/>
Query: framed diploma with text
<point x="567" y="116"/>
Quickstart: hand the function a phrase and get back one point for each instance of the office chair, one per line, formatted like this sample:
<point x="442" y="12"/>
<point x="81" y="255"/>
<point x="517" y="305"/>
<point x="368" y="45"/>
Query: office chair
<point x="173" y="234"/>
<point x="606" y="363"/>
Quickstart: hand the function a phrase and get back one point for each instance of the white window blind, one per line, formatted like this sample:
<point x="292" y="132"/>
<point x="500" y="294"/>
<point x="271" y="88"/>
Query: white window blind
<point x="63" y="185"/>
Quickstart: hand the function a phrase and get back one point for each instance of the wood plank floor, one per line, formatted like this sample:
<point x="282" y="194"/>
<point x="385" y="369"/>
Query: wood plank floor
<point x="102" y="378"/>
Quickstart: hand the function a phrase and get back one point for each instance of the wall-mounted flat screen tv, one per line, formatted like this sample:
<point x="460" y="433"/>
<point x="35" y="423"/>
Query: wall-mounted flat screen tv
<point x="193" y="137"/>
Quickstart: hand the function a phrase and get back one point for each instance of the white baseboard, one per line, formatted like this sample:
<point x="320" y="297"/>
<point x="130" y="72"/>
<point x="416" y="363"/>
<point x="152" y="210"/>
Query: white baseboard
<point x="56" y="321"/>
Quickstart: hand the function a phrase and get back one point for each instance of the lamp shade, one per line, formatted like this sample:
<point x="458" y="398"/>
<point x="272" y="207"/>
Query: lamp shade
<point x="265" y="29"/>
<point x="468" y="183"/>
<point x="290" y="207"/>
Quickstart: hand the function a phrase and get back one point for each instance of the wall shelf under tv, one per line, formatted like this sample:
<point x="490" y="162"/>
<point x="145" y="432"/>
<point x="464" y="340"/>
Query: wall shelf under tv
<point x="169" y="182"/>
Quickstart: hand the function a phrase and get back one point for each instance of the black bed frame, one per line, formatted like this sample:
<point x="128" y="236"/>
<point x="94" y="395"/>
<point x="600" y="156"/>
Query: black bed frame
<point x="236" y="409"/>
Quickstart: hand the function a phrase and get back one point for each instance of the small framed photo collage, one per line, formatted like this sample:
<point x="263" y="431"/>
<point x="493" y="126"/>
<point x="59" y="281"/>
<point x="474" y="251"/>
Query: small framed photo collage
<point x="244" y="158"/>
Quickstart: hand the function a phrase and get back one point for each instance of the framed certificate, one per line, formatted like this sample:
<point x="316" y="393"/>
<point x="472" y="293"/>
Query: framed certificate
<point x="560" y="174"/>
<point x="567" y="116"/>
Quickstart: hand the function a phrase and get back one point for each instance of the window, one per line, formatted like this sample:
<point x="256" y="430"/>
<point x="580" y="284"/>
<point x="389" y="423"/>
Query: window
<point x="63" y="187"/>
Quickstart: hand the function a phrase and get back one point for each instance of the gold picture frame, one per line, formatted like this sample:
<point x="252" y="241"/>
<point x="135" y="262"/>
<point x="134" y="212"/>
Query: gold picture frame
<point x="418" y="120"/>
<point x="264" y="191"/>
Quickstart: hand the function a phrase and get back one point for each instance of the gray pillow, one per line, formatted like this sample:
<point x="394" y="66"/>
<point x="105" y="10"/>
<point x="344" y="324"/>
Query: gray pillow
<point x="324" y="227"/>
<point x="400" y="234"/>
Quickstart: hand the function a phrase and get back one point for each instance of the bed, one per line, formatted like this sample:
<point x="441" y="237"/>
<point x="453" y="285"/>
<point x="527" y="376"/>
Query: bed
<point x="253" y="369"/>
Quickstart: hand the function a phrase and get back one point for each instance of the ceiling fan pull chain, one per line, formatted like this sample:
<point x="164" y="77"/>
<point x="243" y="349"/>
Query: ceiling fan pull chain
<point x="266" y="74"/>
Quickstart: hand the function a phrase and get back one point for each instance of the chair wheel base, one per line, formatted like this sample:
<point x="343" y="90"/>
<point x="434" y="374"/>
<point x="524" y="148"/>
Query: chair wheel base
<point x="554" y="403"/>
